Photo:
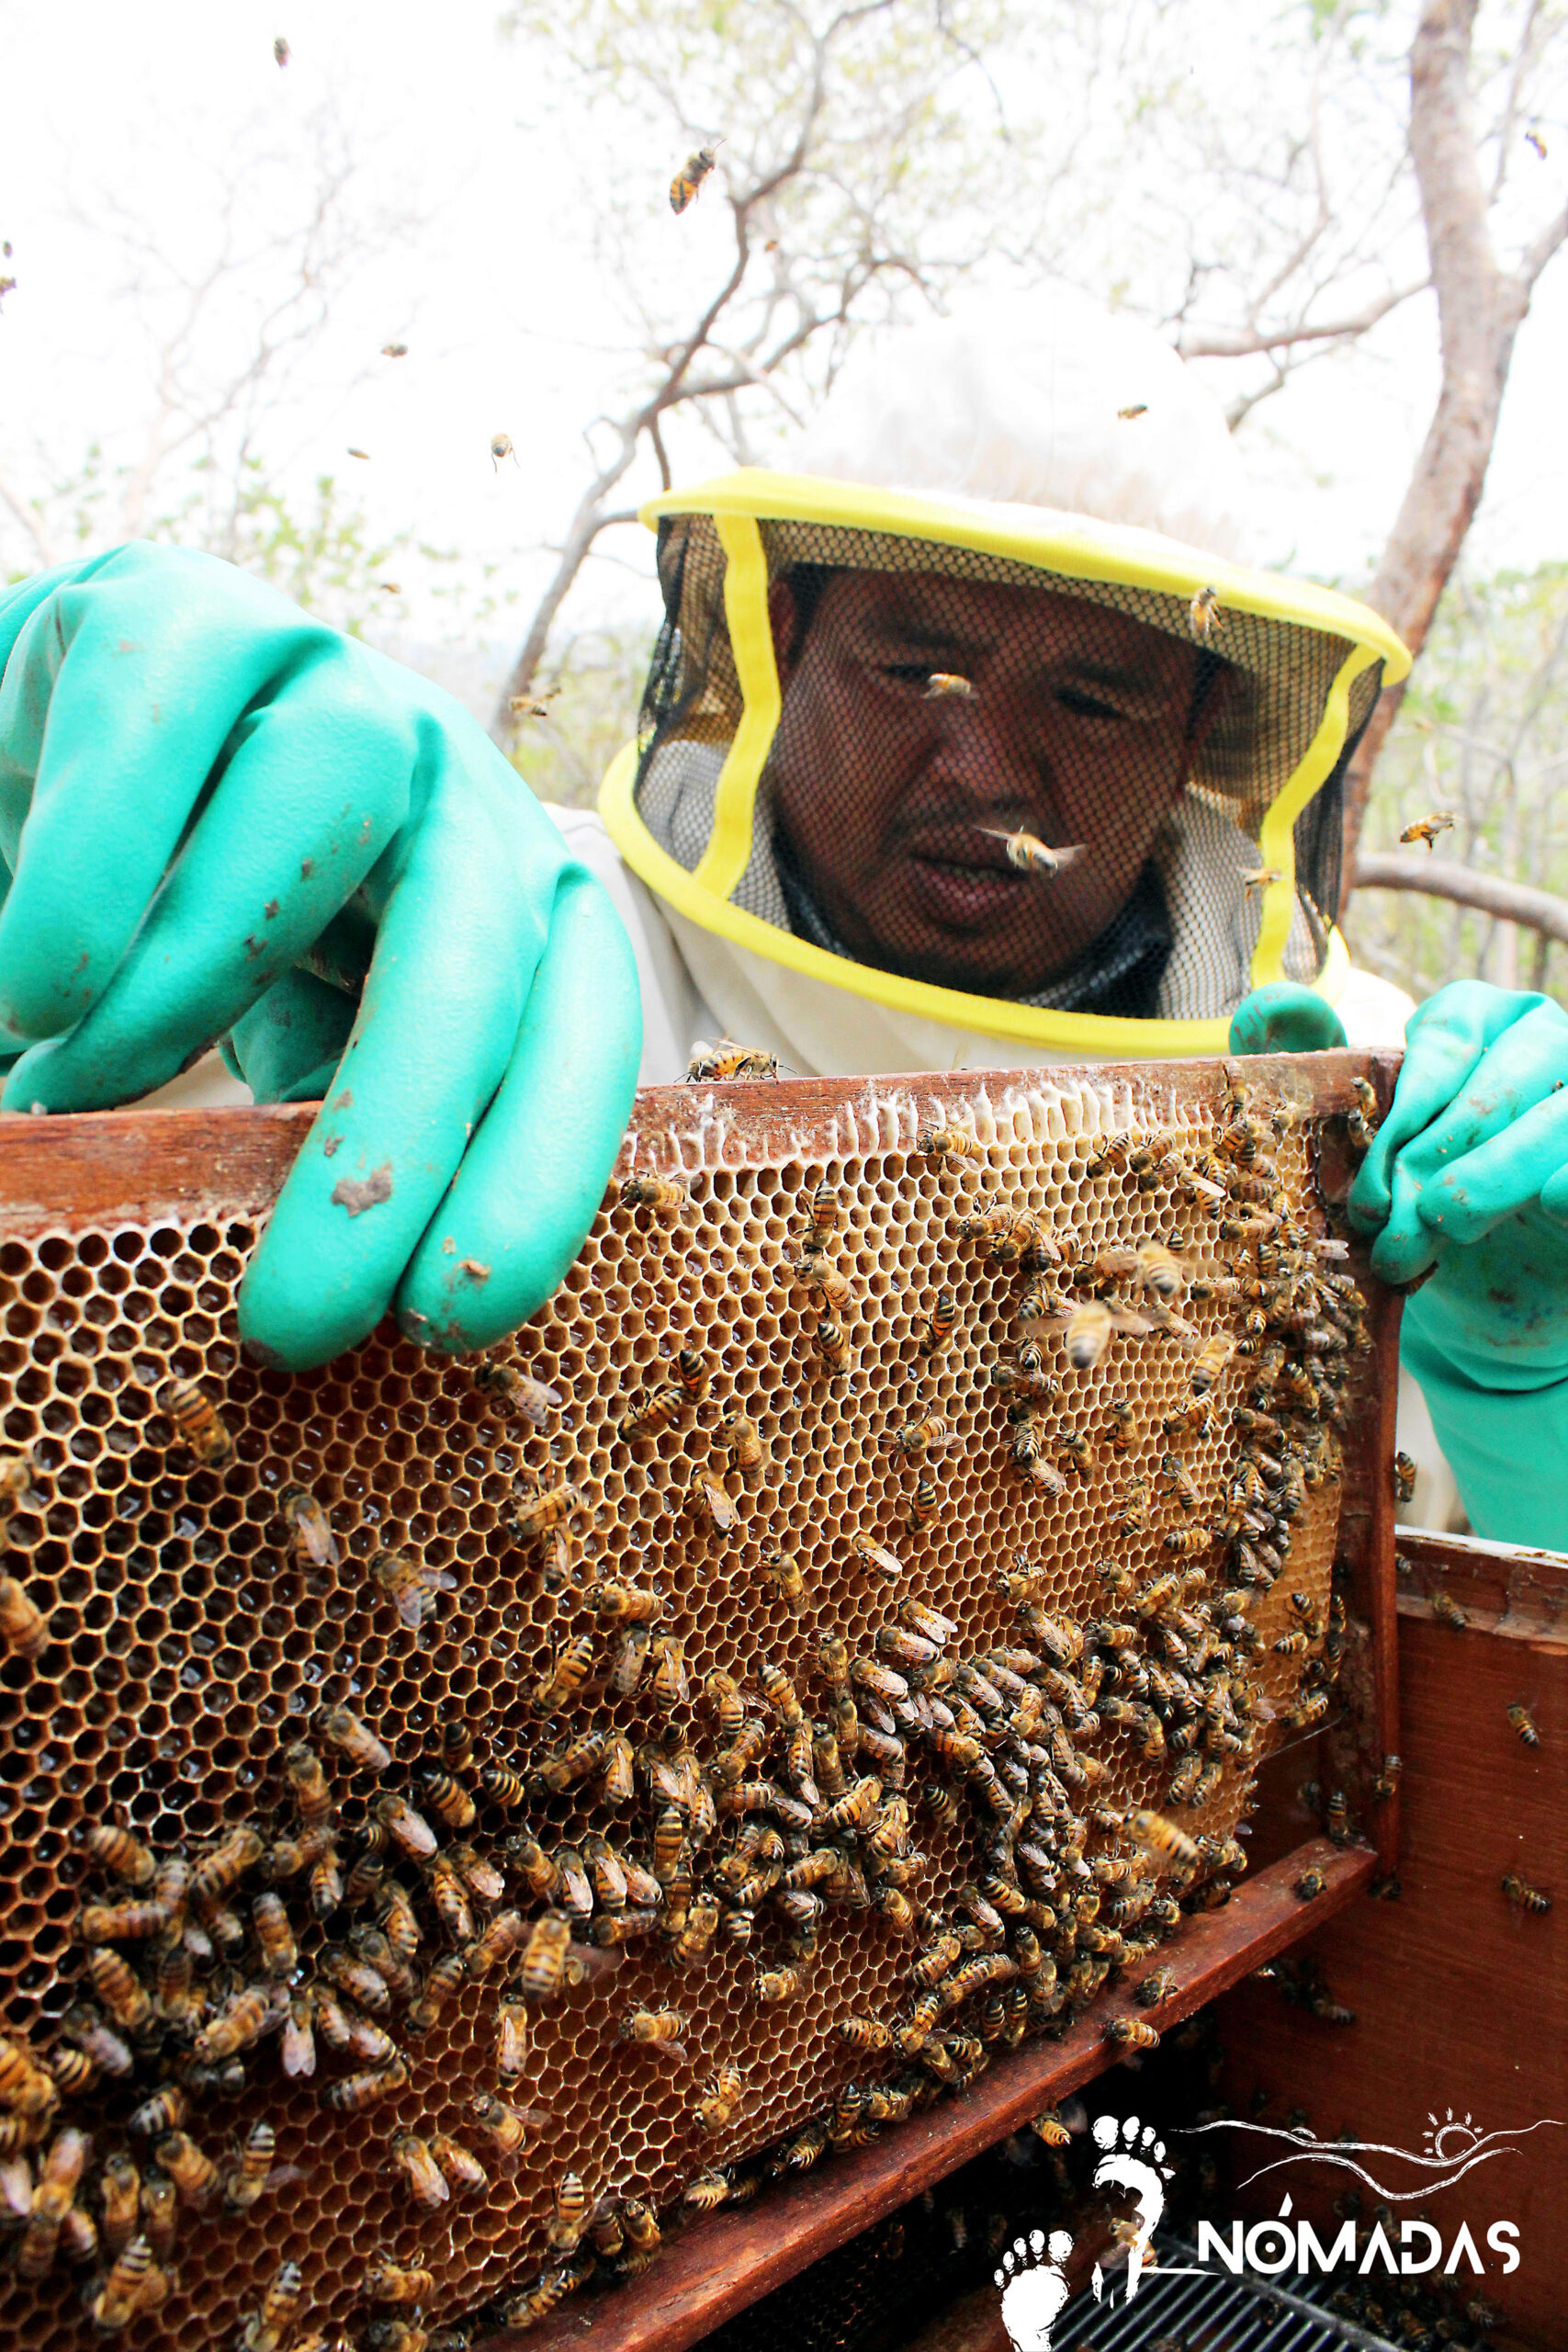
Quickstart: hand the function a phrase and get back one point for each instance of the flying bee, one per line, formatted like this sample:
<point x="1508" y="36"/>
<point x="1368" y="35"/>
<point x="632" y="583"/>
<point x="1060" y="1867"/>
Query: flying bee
<point x="685" y="189"/>
<point x="708" y="1501"/>
<point x="1153" y="1834"/>
<point x="1426" y="829"/>
<point x="309" y="1529"/>
<point x="948" y="685"/>
<point x="197" y="1422"/>
<point x="409" y="1585"/>
<point x="1405" y="1472"/>
<point x="666" y="1196"/>
<point x="23" y="1625"/>
<point x="1524" y="1896"/>
<point x="1027" y="853"/>
<point x="1261" y="877"/>
<point x="1090" y="1327"/>
<point x="1523" y="1722"/>
<point x="935" y="1329"/>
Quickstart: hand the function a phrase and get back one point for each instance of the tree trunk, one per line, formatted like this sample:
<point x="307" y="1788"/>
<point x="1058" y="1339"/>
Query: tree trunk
<point x="1480" y="306"/>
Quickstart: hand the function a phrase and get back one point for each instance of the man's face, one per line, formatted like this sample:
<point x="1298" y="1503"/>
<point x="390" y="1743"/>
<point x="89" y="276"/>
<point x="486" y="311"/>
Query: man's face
<point x="1081" y="728"/>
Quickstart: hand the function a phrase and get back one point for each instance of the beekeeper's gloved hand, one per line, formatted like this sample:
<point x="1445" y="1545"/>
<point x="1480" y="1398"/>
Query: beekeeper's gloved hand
<point x="1284" y="1018"/>
<point x="1469" y="1174"/>
<point x="199" y="788"/>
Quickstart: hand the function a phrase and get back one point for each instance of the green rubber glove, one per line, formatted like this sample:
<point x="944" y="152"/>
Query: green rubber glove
<point x="1283" y="1018"/>
<point x="217" y="816"/>
<point x="1469" y="1175"/>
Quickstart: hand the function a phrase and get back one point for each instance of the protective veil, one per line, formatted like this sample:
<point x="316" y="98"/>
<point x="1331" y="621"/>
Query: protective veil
<point x="1003" y="596"/>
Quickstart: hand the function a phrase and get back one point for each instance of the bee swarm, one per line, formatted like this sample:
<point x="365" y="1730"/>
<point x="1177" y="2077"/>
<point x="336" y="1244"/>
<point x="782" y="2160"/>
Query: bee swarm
<point x="484" y="1805"/>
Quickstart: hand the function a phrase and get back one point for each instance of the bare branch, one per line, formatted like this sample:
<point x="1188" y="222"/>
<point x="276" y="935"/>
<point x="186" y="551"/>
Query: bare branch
<point x="1492" y="894"/>
<point x="1246" y="344"/>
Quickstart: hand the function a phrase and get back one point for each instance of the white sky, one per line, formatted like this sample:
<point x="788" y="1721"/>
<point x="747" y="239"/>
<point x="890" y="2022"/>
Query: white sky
<point x="497" y="295"/>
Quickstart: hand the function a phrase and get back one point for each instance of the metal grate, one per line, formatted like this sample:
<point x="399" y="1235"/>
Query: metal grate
<point x="1214" y="2314"/>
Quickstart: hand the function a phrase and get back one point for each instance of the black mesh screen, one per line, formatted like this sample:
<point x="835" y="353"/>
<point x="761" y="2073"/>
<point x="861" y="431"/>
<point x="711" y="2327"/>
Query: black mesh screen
<point x="992" y="779"/>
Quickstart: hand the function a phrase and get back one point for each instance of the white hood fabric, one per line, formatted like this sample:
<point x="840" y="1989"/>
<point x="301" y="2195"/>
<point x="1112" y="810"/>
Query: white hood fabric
<point x="1020" y="399"/>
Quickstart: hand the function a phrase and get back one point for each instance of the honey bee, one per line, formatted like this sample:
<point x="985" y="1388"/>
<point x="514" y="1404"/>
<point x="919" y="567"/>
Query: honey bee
<point x="652" y="2026"/>
<point x="131" y="2285"/>
<point x="886" y="1563"/>
<point x="510" y="1390"/>
<point x="1153" y="1834"/>
<point x="423" y="2176"/>
<point x="569" y="2218"/>
<point x="387" y="2282"/>
<point x="567" y="1676"/>
<point x="193" y="2172"/>
<point x="1403" y="1478"/>
<point x="949" y="1143"/>
<point x="1026" y="852"/>
<point x="1090" y="1327"/>
<point x="1121" y="1428"/>
<point x="198" y="1421"/>
<point x="684" y="188"/>
<point x="464" y="2174"/>
<point x="102" y="1923"/>
<point x="1157" y="1988"/>
<point x="448" y="1797"/>
<point x="813" y="1271"/>
<point x="1447" y="1613"/>
<point x="409" y="1585"/>
<point x="718" y="2102"/>
<point x="1260" y="878"/>
<point x="723" y="1695"/>
<point x="770" y="1987"/>
<point x="666" y="1196"/>
<point x="355" y="1739"/>
<point x="1203" y="614"/>
<point x="50" y="2202"/>
<point x="658" y="1409"/>
<point x="508" y="2127"/>
<point x="1210" y="1362"/>
<point x="23" y="1625"/>
<point x="1426" y="829"/>
<point x="707" y="1501"/>
<point x="274" y="1938"/>
<point x="832" y="1342"/>
<point x="1132" y="2033"/>
<point x="500" y="447"/>
<point x="225" y="1865"/>
<point x="782" y="1569"/>
<point x="309" y="1529"/>
<point x="626" y="1604"/>
<point x="248" y="2180"/>
<point x="936" y="1330"/>
<point x="1524" y="1896"/>
<point x="1309" y="1887"/>
<point x="540" y="1512"/>
<point x="706" y="2192"/>
<point x="923" y="1507"/>
<point x="406" y="1829"/>
<point x="670" y="1684"/>
<point x="1523" y="1722"/>
<point x="727" y="1059"/>
<point x="544" y="1961"/>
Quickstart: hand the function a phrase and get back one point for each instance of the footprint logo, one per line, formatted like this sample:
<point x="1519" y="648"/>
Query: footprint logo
<point x="1033" y="2287"/>
<point x="1132" y="2159"/>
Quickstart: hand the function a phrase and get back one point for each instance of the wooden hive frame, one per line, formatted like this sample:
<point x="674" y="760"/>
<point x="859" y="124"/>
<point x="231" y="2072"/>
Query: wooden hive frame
<point x="188" y="1647"/>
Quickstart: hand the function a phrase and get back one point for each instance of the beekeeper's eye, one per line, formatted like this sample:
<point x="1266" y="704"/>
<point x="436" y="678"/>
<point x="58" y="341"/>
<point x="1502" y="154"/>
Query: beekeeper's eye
<point x="1083" y="705"/>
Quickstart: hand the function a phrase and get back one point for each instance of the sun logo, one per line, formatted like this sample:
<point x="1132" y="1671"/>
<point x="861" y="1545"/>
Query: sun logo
<point x="1451" y="2139"/>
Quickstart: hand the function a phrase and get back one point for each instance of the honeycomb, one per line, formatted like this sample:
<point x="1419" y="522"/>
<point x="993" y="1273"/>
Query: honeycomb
<point x="190" y="1642"/>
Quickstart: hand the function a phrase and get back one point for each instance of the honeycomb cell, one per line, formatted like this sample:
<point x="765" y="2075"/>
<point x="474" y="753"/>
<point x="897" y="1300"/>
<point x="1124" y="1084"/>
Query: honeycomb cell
<point x="193" y="1643"/>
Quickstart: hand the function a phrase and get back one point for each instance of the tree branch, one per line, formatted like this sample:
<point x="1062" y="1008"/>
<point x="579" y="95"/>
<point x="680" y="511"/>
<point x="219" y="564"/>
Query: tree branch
<point x="1491" y="894"/>
<point x="1246" y="343"/>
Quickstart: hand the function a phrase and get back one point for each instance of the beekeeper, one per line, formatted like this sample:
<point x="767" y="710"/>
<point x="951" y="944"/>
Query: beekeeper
<point x="1003" y="594"/>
